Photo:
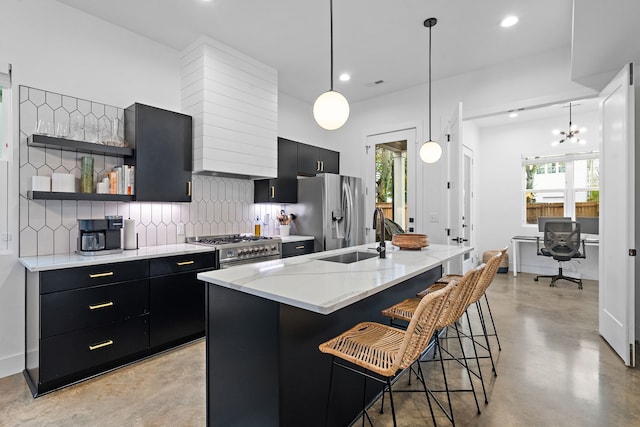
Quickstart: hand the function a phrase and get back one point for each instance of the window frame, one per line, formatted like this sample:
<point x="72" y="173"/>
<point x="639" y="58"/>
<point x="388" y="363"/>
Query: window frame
<point x="569" y="191"/>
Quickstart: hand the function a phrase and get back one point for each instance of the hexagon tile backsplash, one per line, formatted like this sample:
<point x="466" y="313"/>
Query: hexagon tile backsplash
<point x="47" y="227"/>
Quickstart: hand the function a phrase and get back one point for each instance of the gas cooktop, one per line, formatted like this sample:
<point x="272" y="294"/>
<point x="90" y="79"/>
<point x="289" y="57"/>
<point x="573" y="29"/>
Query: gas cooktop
<point x="225" y="239"/>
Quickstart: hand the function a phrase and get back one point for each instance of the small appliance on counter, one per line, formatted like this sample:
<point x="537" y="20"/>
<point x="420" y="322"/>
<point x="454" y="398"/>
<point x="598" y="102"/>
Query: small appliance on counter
<point x="100" y="236"/>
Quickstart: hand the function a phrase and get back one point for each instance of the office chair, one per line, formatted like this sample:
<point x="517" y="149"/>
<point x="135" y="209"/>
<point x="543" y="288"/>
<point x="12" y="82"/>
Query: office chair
<point x="562" y="243"/>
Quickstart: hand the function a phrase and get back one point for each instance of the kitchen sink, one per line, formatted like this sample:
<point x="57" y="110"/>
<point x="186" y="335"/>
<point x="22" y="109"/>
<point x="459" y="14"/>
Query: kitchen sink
<point x="349" y="257"/>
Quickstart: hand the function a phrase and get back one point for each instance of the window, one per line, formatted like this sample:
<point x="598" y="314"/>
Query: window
<point x="566" y="185"/>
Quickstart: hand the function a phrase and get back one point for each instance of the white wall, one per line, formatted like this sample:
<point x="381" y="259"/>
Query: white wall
<point x="54" y="47"/>
<point x="499" y="186"/>
<point x="529" y="81"/>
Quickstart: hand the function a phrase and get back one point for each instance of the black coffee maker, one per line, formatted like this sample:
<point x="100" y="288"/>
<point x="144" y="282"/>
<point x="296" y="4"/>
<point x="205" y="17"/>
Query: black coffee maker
<point x="100" y="236"/>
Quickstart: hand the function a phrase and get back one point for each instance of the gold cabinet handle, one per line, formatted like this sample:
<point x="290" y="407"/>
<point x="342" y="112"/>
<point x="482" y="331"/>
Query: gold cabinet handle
<point x="95" y="276"/>
<point x="300" y="247"/>
<point x="318" y="165"/>
<point x="273" y="192"/>
<point x="322" y="166"/>
<point x="102" y="344"/>
<point x="103" y="305"/>
<point x="189" y="188"/>
<point x="185" y="262"/>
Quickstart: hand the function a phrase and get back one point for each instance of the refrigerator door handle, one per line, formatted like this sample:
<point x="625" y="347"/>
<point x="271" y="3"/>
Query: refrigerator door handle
<point x="348" y="208"/>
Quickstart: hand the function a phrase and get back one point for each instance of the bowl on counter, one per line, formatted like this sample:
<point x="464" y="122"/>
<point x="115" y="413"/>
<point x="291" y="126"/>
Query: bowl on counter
<point x="412" y="241"/>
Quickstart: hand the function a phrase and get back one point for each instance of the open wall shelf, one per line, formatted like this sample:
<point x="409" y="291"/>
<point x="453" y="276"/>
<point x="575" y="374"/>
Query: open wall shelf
<point x="94" y="197"/>
<point x="45" y="141"/>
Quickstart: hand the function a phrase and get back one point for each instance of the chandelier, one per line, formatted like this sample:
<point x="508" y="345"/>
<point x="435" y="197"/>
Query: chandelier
<point x="571" y="135"/>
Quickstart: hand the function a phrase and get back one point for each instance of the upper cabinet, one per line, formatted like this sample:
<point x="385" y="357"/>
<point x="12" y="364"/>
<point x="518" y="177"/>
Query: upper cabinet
<point x="287" y="158"/>
<point x="234" y="102"/>
<point x="163" y="153"/>
<point x="313" y="160"/>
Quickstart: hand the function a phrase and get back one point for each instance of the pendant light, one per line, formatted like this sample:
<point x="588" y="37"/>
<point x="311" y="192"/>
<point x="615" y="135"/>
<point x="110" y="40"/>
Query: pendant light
<point x="572" y="134"/>
<point x="430" y="151"/>
<point x="331" y="109"/>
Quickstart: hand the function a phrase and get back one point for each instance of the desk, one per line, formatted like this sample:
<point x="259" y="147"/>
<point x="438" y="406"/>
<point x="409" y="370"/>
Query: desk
<point x="516" y="240"/>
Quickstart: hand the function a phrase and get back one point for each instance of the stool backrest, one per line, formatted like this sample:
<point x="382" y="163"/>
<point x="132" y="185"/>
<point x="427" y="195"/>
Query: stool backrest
<point x="459" y="297"/>
<point x="487" y="276"/>
<point x="422" y="326"/>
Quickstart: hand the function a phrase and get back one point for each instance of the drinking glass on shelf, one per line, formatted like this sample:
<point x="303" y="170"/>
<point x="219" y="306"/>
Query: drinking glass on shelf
<point x="91" y="128"/>
<point x="77" y="127"/>
<point x="62" y="129"/>
<point x="44" y="127"/>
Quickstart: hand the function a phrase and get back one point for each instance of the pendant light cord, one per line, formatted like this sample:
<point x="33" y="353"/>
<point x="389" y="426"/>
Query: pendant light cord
<point x="331" y="32"/>
<point x="430" y="83"/>
<point x="569" y="117"/>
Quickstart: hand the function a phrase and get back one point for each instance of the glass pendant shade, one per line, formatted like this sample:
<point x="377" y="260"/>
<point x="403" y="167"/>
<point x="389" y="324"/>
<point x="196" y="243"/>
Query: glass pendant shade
<point x="430" y="152"/>
<point x="331" y="110"/>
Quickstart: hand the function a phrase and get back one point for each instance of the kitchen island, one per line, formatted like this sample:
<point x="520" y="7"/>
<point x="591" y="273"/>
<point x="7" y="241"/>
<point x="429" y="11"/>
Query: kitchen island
<point x="266" y="320"/>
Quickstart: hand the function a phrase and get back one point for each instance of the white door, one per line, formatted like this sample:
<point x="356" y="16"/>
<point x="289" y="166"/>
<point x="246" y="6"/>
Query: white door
<point x="410" y="136"/>
<point x="455" y="184"/>
<point x="617" y="216"/>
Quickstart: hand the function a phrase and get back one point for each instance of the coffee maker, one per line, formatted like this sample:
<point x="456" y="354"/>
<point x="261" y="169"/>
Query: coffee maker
<point x="100" y="236"/>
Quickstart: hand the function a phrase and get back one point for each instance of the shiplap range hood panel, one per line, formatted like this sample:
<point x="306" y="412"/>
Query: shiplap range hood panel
<point x="234" y="103"/>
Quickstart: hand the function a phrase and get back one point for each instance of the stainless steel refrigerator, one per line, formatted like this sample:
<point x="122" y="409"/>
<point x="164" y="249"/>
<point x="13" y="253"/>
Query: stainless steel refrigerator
<point x="330" y="207"/>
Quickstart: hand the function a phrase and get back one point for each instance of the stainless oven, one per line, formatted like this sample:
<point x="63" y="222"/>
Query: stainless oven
<point x="237" y="249"/>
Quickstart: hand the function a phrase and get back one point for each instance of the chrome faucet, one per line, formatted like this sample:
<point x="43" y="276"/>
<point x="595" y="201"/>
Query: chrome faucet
<point x="382" y="249"/>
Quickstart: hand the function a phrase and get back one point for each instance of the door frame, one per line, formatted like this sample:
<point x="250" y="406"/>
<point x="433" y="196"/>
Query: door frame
<point x="408" y="133"/>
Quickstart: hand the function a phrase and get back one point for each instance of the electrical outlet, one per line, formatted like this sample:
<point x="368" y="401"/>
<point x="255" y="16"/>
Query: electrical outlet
<point x="180" y="229"/>
<point x="434" y="217"/>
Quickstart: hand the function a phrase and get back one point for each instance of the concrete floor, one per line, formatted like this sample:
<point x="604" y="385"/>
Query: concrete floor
<point x="554" y="370"/>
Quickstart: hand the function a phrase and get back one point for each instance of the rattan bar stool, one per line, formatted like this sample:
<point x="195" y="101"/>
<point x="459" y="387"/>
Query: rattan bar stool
<point x="448" y="277"/>
<point x="384" y="351"/>
<point x="454" y="309"/>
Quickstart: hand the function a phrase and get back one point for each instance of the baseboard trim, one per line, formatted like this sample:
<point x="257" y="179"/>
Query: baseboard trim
<point x="11" y="365"/>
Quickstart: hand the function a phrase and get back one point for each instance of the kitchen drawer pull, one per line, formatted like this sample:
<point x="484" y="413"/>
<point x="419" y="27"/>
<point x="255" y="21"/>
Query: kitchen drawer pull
<point x="273" y="192"/>
<point x="300" y="247"/>
<point x="185" y="262"/>
<point x="102" y="344"/>
<point x="95" y="276"/>
<point x="103" y="305"/>
<point x="189" y="188"/>
<point x="318" y="166"/>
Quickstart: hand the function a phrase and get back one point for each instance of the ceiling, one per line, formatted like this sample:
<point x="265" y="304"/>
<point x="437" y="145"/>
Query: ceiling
<point x="539" y="112"/>
<point x="373" y="39"/>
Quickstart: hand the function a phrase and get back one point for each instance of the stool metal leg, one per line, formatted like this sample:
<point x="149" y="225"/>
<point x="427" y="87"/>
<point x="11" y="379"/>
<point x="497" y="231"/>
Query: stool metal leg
<point x="493" y="324"/>
<point x="326" y="411"/>
<point x="393" y="410"/>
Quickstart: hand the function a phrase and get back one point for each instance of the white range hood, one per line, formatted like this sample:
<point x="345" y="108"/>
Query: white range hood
<point x="234" y="103"/>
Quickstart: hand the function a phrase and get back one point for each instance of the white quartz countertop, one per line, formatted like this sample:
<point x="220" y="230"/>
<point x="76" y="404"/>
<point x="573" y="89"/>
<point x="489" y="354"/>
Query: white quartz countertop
<point x="55" y="262"/>
<point x="324" y="287"/>
<point x="294" y="238"/>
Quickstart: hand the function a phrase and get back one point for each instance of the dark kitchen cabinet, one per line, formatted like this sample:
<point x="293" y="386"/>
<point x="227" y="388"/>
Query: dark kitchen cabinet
<point x="313" y="160"/>
<point x="287" y="158"/>
<point x="290" y="249"/>
<point x="177" y="298"/>
<point x="162" y="142"/>
<point x="276" y="190"/>
<point x="84" y="321"/>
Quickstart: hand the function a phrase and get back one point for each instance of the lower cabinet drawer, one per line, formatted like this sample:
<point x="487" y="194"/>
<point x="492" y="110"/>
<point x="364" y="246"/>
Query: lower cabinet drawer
<point x="90" y="348"/>
<point x="297" y="248"/>
<point x="68" y="311"/>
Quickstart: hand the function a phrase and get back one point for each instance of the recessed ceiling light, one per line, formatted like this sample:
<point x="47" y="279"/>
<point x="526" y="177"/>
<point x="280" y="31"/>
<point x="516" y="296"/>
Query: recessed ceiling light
<point x="509" y="21"/>
<point x="344" y="77"/>
<point x="513" y="114"/>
